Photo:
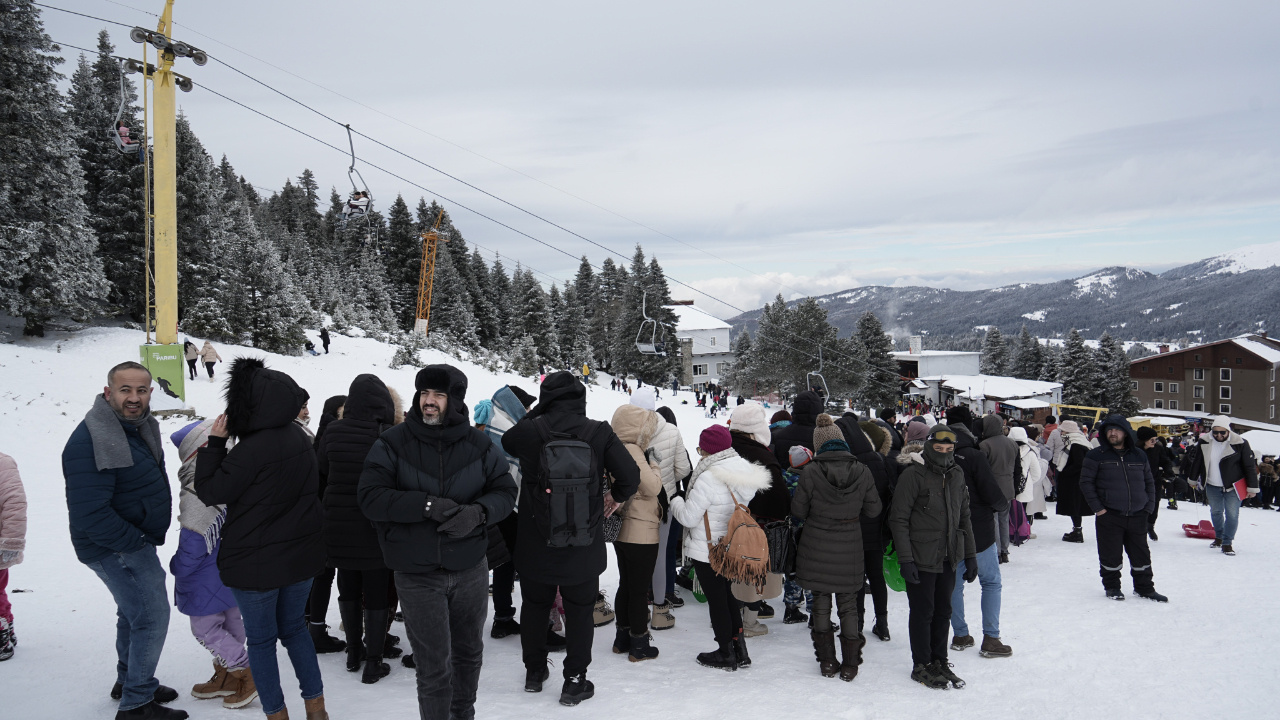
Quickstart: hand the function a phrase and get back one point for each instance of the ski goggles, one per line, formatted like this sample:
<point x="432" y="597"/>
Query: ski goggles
<point x="944" y="436"/>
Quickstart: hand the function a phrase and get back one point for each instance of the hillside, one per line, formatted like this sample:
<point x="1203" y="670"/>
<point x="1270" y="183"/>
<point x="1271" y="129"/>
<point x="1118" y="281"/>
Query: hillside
<point x="1216" y="297"/>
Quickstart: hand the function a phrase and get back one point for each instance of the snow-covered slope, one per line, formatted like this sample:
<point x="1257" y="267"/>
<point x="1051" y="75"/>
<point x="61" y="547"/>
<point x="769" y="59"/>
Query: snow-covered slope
<point x="1075" y="653"/>
<point x="1250" y="257"/>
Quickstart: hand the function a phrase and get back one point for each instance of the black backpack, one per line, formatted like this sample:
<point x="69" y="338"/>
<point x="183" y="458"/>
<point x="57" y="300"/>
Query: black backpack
<point x="1019" y="477"/>
<point x="565" y="510"/>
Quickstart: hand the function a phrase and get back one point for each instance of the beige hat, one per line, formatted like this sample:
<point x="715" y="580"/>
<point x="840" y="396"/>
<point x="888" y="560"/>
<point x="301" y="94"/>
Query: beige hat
<point x="749" y="418"/>
<point x="825" y="430"/>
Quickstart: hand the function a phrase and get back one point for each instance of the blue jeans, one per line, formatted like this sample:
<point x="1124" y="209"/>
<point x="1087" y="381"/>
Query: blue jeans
<point x="278" y="614"/>
<point x="989" y="578"/>
<point x="136" y="581"/>
<point x="1223" y="500"/>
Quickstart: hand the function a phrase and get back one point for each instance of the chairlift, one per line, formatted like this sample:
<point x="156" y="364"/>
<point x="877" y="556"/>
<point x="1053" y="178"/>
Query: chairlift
<point x="652" y="337"/>
<point x="816" y="382"/>
<point x="360" y="204"/>
<point x="126" y="143"/>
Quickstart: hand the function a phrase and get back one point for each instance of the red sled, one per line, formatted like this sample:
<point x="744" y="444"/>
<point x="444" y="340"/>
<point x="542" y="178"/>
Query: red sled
<point x="1203" y="531"/>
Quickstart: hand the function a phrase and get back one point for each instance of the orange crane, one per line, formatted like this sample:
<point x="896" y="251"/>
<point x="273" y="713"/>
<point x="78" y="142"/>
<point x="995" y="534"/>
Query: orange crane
<point x="430" y="243"/>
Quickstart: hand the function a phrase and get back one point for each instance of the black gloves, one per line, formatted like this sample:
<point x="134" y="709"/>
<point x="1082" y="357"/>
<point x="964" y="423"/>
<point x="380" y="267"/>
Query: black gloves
<point x="970" y="569"/>
<point x="464" y="520"/>
<point x="439" y="509"/>
<point x="910" y="573"/>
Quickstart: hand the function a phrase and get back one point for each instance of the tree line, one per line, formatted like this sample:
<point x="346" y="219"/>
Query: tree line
<point x="1094" y="378"/>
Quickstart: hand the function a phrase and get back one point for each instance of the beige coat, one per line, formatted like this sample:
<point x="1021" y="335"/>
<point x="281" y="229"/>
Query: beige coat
<point x="13" y="512"/>
<point x="208" y="354"/>
<point x="641" y="515"/>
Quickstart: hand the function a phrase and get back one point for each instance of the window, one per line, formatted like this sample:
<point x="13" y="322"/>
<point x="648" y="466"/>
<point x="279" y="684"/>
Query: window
<point x="1133" y="384"/>
<point x="1173" y="404"/>
<point x="1224" y="409"/>
<point x="1273" y="375"/>
<point x="1197" y="357"/>
<point x="699" y="370"/>
<point x="1224" y="392"/>
<point x="1173" y="387"/>
<point x="1160" y="404"/>
<point x="721" y="367"/>
<point x="1239" y="361"/>
<point x="713" y="341"/>
<point x="1273" y="412"/>
<point x="1197" y="391"/>
<point x="1144" y="368"/>
<point x="1197" y="407"/>
<point x="1224" y="374"/>
<point x="1159" y="387"/>
<point x="1273" y="393"/>
<point x="1197" y="374"/>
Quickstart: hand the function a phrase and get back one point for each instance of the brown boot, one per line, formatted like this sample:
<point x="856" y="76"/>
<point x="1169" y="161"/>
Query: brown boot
<point x="824" y="648"/>
<point x="315" y="709"/>
<point x="216" y="687"/>
<point x="992" y="647"/>
<point x="851" y="651"/>
<point x="282" y="715"/>
<point x="245" y="690"/>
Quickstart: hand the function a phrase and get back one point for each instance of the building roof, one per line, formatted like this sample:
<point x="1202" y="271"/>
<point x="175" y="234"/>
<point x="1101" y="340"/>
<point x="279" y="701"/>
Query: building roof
<point x="691" y="317"/>
<point x="1261" y="346"/>
<point x="908" y="355"/>
<point x="1189" y="414"/>
<point x="994" y="386"/>
<point x="1026" y="404"/>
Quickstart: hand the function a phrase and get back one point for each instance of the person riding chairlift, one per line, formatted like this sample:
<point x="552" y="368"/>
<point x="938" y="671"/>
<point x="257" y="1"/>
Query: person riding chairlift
<point x="126" y="142"/>
<point x="358" y="205"/>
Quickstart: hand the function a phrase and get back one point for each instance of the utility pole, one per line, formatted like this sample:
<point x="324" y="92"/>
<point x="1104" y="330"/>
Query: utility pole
<point x="426" y="276"/>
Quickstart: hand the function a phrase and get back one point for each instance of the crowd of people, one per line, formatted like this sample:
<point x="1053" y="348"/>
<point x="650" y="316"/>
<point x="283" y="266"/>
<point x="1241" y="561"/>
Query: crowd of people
<point x="412" y="507"/>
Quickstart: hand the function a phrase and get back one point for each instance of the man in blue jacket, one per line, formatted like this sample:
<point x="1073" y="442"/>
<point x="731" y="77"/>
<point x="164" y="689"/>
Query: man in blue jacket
<point x="1121" y="491"/>
<point x="119" y="505"/>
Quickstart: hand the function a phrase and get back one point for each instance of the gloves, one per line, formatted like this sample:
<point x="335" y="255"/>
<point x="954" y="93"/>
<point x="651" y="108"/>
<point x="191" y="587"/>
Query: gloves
<point x="439" y="509"/>
<point x="970" y="569"/>
<point x="464" y="520"/>
<point x="910" y="573"/>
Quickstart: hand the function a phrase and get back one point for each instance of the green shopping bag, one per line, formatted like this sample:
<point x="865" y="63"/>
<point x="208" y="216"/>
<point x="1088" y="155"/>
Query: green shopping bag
<point x="892" y="570"/>
<point x="697" y="587"/>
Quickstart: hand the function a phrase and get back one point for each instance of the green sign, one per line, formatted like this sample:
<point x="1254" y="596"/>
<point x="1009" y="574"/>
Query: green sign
<point x="168" y="373"/>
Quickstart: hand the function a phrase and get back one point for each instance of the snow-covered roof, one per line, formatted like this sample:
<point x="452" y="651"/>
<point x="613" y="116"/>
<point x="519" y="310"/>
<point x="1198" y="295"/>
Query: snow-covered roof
<point x="994" y="386"/>
<point x="1263" y="442"/>
<point x="1205" y="416"/>
<point x="1261" y="349"/>
<point x="691" y="317"/>
<point x="908" y="355"/>
<point x="1026" y="404"/>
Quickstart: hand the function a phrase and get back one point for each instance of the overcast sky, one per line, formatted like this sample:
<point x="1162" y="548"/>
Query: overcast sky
<point x="800" y="147"/>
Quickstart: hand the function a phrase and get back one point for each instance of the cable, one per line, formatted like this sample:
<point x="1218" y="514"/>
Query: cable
<point x="85" y="15"/>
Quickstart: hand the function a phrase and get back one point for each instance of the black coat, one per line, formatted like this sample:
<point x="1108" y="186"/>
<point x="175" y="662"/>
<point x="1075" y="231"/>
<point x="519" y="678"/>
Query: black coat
<point x="349" y="537"/>
<point x="873" y="528"/>
<point x="1239" y="464"/>
<point x="834" y="492"/>
<point x="1071" y="500"/>
<point x="804" y="417"/>
<point x="272" y="536"/>
<point x="985" y="497"/>
<point x="775" y="502"/>
<point x="1118" y="481"/>
<point x="563" y="402"/>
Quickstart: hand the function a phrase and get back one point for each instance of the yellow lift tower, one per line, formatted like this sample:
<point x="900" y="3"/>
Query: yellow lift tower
<point x="426" y="275"/>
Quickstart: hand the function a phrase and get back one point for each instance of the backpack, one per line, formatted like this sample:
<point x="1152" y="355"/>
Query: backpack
<point x="565" y="510"/>
<point x="742" y="555"/>
<point x="1019" y="477"/>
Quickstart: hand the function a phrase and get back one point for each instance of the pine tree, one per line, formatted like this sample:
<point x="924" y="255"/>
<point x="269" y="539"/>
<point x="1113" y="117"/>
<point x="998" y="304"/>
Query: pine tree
<point x="880" y="389"/>
<point x="451" y="304"/>
<point x="1051" y="363"/>
<point x="488" y="321"/>
<point x="403" y="251"/>
<point x="1113" y="363"/>
<point x="48" y="261"/>
<point x="1029" y="360"/>
<point x="1078" y="373"/>
<point x="536" y="322"/>
<point x="742" y="374"/>
<point x="995" y="355"/>
<point x="203" y="225"/>
<point x="770" y="354"/>
<point x="610" y="297"/>
<point x="262" y="303"/>
<point x="502" y="295"/>
<point x="811" y="340"/>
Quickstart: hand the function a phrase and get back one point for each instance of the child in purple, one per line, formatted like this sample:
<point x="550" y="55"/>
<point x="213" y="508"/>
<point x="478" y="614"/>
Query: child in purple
<point x="198" y="592"/>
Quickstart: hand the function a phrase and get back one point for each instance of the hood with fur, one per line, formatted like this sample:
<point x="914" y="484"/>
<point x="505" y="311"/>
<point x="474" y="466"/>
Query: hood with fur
<point x="370" y="399"/>
<point x="259" y="398"/>
<point x="912" y="452"/>
<point x="880" y="439"/>
<point x="744" y="478"/>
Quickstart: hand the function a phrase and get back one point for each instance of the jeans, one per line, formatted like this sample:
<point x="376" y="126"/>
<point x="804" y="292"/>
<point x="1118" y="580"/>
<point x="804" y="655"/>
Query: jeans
<point x="222" y="634"/>
<point x="930" y="603"/>
<point x="277" y="614"/>
<point x="136" y="581"/>
<point x="724" y="608"/>
<point x="6" y="610"/>
<point x="989" y="578"/>
<point x="444" y="615"/>
<point x="1223" y="500"/>
<point x="635" y="577"/>
<point x="579" y="623"/>
<point x="1119" y="535"/>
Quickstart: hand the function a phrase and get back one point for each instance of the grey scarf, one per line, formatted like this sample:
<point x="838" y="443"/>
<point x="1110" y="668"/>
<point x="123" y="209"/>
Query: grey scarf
<point x="110" y="445"/>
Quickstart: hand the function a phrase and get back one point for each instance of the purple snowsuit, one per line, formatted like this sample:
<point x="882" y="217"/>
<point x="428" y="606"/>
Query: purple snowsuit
<point x="198" y="592"/>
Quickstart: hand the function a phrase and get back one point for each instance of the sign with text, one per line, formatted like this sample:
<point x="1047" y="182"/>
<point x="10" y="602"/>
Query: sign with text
<point x="168" y="376"/>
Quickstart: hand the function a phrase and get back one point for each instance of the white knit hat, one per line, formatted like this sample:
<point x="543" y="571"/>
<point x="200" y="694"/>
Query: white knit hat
<point x="749" y="418"/>
<point x="1223" y="422"/>
<point x="643" y="398"/>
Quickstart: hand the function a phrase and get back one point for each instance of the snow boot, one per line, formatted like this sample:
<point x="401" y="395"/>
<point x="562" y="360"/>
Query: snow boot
<point x="752" y="627"/>
<point x="216" y="686"/>
<point x="533" y="679"/>
<point x="163" y="695"/>
<point x="603" y="613"/>
<point x="282" y="715"/>
<point x="1153" y="595"/>
<point x="324" y="642"/>
<point x="152" y="711"/>
<point x="245" y="690"/>
<point x="315" y="709"/>
<point x="622" y="641"/>
<point x="851" y="654"/>
<point x="722" y="658"/>
<point x="674" y="600"/>
<point x="504" y="627"/>
<point x="793" y="616"/>
<point x="1115" y="594"/>
<point x="8" y="641"/>
<point x="993" y="648"/>
<point x="824" y="649"/>
<point x="1228" y="550"/>
<point x="764" y="610"/>
<point x="353" y="627"/>
<point x="942" y="669"/>
<point x="1173" y="505"/>
<point x="881" y="628"/>
<point x="1215" y="544"/>
<point x="408" y="661"/>
<point x="375" y="642"/>
<point x="926" y="675"/>
<point x="663" y="619"/>
<point x="961" y="642"/>
<point x="740" y="651"/>
<point x="1076" y="536"/>
<point x="576" y="689"/>
<point x="642" y="648"/>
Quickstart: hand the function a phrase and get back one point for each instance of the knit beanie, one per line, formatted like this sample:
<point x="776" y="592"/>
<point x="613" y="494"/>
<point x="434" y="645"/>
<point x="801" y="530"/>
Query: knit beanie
<point x="715" y="439"/>
<point x="917" y="431"/>
<point x="825" y="430"/>
<point x="644" y="399"/>
<point x="1222" y="421"/>
<point x="1069" y="426"/>
<point x="749" y="418"/>
<point x="799" y="456"/>
<point x="1145" y="433"/>
<point x="959" y="415"/>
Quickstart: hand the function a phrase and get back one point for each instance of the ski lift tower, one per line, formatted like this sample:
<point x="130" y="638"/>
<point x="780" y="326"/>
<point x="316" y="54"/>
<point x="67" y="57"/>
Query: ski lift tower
<point x="426" y="275"/>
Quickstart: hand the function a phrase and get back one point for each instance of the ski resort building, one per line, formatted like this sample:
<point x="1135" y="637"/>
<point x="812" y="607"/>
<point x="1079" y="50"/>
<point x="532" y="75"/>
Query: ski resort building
<point x="1015" y="397"/>
<point x="704" y="345"/>
<point x="1234" y="377"/>
<point x="931" y="363"/>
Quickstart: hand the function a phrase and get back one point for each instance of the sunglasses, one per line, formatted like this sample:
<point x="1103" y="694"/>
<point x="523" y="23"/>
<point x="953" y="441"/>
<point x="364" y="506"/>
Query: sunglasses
<point x="1223" y="433"/>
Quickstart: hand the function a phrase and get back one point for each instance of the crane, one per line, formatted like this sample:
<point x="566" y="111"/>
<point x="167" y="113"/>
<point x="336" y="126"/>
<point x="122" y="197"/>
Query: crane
<point x="430" y="243"/>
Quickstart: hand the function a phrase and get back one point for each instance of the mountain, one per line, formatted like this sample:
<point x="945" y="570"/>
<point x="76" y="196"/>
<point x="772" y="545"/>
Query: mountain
<point x="1216" y="297"/>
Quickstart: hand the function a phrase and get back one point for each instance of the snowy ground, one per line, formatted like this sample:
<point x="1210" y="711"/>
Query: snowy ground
<point x="1076" y="655"/>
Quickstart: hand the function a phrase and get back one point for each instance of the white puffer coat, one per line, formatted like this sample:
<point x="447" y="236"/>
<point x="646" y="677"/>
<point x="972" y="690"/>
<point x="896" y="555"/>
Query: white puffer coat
<point x="670" y="454"/>
<point x="1033" y="469"/>
<point x="717" y="482"/>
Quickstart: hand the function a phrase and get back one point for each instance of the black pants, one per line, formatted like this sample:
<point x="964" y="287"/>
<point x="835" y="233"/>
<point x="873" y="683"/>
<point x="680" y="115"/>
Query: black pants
<point x="848" y="611"/>
<point x="371" y="585"/>
<point x="635" y="578"/>
<point x="724" y="608"/>
<point x="930" y="620"/>
<point x="318" y="601"/>
<point x="191" y="369"/>
<point x="209" y="366"/>
<point x="444" y="617"/>
<point x="873" y="560"/>
<point x="1119" y="535"/>
<point x="326" y="347"/>
<point x="504" y="585"/>
<point x="536" y="600"/>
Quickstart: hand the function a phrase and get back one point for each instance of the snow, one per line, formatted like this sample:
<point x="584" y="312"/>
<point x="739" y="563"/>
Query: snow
<point x="994" y="386"/>
<point x="1038" y="315"/>
<point x="1261" y="349"/>
<point x="692" y="317"/>
<point x="1263" y="442"/>
<point x="1074" y="651"/>
<point x="1250" y="257"/>
<point x="1089" y="283"/>
<point x="1174" y="306"/>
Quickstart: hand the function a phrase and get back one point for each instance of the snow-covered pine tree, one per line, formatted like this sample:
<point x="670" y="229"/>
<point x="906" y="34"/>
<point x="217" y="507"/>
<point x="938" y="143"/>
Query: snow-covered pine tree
<point x="203" y="225"/>
<point x="770" y="354"/>
<point x="451" y="304"/>
<point x="1113" y="363"/>
<point x="574" y="333"/>
<point x="1049" y="367"/>
<point x="535" y="318"/>
<point x="402" y="249"/>
<point x="995" y="354"/>
<point x="372" y="294"/>
<point x="808" y="330"/>
<point x="605" y="322"/>
<point x="741" y="374"/>
<point x="586" y="289"/>
<point x="556" y="309"/>
<point x="48" y="260"/>
<point x="262" y="302"/>
<point x="408" y="346"/>
<point x="1078" y="373"/>
<point x="488" y="322"/>
<point x="502" y="295"/>
<point x="880" y="389"/>
<point x="1029" y="358"/>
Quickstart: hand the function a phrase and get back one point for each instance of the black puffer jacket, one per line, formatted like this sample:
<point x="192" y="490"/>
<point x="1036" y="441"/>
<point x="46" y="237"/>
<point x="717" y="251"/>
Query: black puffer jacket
<point x="930" y="516"/>
<point x="1118" y="481"/>
<point x="804" y="417"/>
<point x="563" y="402"/>
<point x="771" y="504"/>
<point x="349" y="537"/>
<point x="834" y="492"/>
<point x="272" y="536"/>
<point x="985" y="497"/>
<point x="873" y="529"/>
<point x="413" y="461"/>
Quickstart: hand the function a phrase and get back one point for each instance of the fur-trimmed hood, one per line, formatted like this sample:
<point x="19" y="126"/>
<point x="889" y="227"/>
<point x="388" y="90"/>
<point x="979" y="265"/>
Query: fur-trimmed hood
<point x="729" y="468"/>
<point x="258" y="397"/>
<point x="881" y="440"/>
<point x="370" y="399"/>
<point x="912" y="452"/>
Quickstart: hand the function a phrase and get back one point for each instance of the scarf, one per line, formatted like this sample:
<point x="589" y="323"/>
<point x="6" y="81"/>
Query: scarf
<point x="193" y="514"/>
<point x="707" y="462"/>
<point x="1069" y="439"/>
<point x="110" y="445"/>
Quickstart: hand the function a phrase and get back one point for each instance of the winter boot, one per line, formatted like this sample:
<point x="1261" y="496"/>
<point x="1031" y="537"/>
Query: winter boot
<point x="315" y="709"/>
<point x="8" y="641"/>
<point x="881" y="628"/>
<point x="1153" y="595"/>
<point x="1173" y="505"/>
<point x="642" y="648"/>
<point x="408" y="661"/>
<point x="824" y="649"/>
<point x="851" y="653"/>
<point x="961" y="642"/>
<point x="993" y="648"/>
<point x="751" y="626"/>
<point x="663" y="618"/>
<point x="216" y="687"/>
<point x="245" y="690"/>
<point x="163" y="695"/>
<point x="576" y="689"/>
<point x="674" y="600"/>
<point x="504" y="627"/>
<point x="942" y="669"/>
<point x="740" y="651"/>
<point x="622" y="641"/>
<point x="353" y="627"/>
<point x="324" y="642"/>
<point x="722" y="658"/>
<point x="1217" y="543"/>
<point x="1076" y="536"/>
<point x="1115" y="594"/>
<point x="152" y="711"/>
<point x="533" y="679"/>
<point x="764" y="610"/>
<point x="603" y="613"/>
<point x="793" y="616"/>
<point x="375" y="642"/>
<point x="1228" y="550"/>
<point x="282" y="715"/>
<point x="927" y="676"/>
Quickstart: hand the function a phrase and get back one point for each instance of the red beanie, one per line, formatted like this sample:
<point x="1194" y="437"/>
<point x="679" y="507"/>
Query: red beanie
<point x="715" y="439"/>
